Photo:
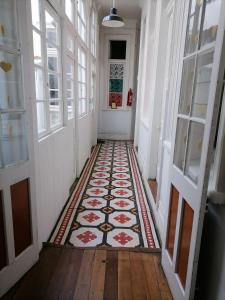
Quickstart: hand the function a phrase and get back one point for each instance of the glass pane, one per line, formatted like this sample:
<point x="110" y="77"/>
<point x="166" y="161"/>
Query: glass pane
<point x="13" y="138"/>
<point x="52" y="59"/>
<point x="81" y="90"/>
<point x="187" y="86"/>
<point x="210" y="23"/>
<point x="69" y="89"/>
<point x="69" y="9"/>
<point x="202" y="84"/>
<point x="55" y="113"/>
<point x="117" y="49"/>
<point x="35" y="13"/>
<point x="80" y="8"/>
<point x="41" y="116"/>
<point x="180" y="144"/>
<point x="70" y="43"/>
<point x="194" y="151"/>
<point x="70" y="109"/>
<point x="39" y="84"/>
<point x="10" y="81"/>
<point x="37" y="48"/>
<point x="193" y="27"/>
<point x="53" y="82"/>
<point x="51" y="29"/>
<point x="8" y="33"/>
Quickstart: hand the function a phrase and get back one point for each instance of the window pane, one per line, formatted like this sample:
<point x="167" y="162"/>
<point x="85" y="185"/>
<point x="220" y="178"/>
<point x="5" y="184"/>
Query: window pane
<point x="8" y="27"/>
<point x="202" y="83"/>
<point x="13" y="138"/>
<point x="35" y="13"/>
<point x="10" y="81"/>
<point x="187" y="86"/>
<point x="69" y="89"/>
<point x="41" y="116"/>
<point x="70" y="109"/>
<point x="210" y="24"/>
<point x="69" y="9"/>
<point x="81" y="10"/>
<point x="117" y="49"/>
<point x="55" y="113"/>
<point x="53" y="82"/>
<point x="194" y="151"/>
<point x="39" y="84"/>
<point x="180" y="144"/>
<point x="37" y="48"/>
<point x="52" y="59"/>
<point x="51" y="29"/>
<point x="193" y="28"/>
<point x="70" y="43"/>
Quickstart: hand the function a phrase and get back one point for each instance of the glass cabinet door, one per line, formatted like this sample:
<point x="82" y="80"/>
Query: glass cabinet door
<point x="13" y="133"/>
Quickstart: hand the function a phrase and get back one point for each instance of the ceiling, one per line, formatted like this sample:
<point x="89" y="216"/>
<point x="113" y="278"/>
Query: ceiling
<point x="129" y="9"/>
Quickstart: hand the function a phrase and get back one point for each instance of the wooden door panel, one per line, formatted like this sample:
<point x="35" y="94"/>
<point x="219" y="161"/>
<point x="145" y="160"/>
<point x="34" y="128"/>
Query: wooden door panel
<point x="20" y="197"/>
<point x="3" y="253"/>
<point x="174" y="200"/>
<point x="185" y="241"/>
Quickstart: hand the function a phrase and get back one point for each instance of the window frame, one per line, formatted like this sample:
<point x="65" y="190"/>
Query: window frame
<point x="82" y="83"/>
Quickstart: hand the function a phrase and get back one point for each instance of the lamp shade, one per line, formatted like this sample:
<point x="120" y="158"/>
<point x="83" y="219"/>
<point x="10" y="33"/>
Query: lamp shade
<point x="113" y="20"/>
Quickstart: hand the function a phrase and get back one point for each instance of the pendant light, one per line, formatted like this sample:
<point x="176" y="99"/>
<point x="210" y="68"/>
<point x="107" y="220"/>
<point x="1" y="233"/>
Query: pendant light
<point x="113" y="20"/>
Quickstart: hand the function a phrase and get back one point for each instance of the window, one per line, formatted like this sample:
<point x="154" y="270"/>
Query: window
<point x="47" y="63"/>
<point x="82" y="85"/>
<point x="70" y="78"/>
<point x="69" y="9"/>
<point x="93" y="32"/>
<point x="117" y="49"/>
<point x="81" y="19"/>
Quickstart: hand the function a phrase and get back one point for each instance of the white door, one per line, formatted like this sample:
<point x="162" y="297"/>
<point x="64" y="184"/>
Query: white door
<point x="193" y="140"/>
<point x="18" y="230"/>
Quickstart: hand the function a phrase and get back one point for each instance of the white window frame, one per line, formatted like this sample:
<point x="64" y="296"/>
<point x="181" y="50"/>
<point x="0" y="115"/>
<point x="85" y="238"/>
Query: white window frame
<point x="44" y="6"/>
<point x="93" y="31"/>
<point x="82" y="20"/>
<point x="81" y="100"/>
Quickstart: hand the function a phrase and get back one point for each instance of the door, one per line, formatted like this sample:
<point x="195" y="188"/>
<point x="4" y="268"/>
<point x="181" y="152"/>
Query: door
<point x="193" y="141"/>
<point x="18" y="230"/>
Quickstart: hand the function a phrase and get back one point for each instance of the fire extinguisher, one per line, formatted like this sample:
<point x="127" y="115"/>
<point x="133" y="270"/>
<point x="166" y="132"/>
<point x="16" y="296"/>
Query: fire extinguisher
<point x="129" y="97"/>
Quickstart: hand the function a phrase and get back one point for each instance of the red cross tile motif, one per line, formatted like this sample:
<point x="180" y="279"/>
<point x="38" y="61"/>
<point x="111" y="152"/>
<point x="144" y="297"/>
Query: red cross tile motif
<point x="91" y="217"/>
<point x="123" y="238"/>
<point x="86" y="237"/>
<point x="122" y="203"/>
<point x="121" y="183"/>
<point x="96" y="191"/>
<point x="122" y="218"/>
<point x="121" y="192"/>
<point x="99" y="182"/>
<point x="94" y="202"/>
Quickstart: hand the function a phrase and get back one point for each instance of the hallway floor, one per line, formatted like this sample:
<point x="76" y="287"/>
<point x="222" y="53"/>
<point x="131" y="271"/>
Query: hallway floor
<point x="69" y="273"/>
<point x="108" y="206"/>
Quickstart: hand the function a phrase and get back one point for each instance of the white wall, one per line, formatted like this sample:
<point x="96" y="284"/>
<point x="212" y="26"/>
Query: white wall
<point x="118" y="123"/>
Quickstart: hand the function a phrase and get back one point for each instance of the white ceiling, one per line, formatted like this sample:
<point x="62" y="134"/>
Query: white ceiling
<point x="129" y="9"/>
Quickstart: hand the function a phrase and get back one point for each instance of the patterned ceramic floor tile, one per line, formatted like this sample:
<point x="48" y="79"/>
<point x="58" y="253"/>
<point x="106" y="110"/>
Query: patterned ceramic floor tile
<point x="108" y="206"/>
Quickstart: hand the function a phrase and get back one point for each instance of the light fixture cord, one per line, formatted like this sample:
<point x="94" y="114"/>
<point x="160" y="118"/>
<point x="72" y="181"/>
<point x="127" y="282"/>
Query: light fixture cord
<point x="114" y="3"/>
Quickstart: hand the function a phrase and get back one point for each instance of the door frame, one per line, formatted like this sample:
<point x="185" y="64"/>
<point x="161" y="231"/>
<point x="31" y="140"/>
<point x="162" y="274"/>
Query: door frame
<point x="201" y="192"/>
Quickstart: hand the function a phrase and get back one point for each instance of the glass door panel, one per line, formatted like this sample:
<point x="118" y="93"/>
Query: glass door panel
<point x="13" y="138"/>
<point x="202" y="85"/>
<point x="8" y="32"/>
<point x="187" y="86"/>
<point x="10" y="81"/>
<point x="194" y="151"/>
<point x="193" y="28"/>
<point x="210" y="23"/>
<point x="181" y="142"/>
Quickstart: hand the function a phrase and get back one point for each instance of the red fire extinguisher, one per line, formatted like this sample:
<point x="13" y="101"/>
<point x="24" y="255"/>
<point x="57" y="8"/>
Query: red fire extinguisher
<point x="129" y="97"/>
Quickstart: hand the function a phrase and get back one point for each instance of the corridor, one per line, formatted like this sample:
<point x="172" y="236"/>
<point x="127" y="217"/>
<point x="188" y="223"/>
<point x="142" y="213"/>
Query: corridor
<point x="112" y="149"/>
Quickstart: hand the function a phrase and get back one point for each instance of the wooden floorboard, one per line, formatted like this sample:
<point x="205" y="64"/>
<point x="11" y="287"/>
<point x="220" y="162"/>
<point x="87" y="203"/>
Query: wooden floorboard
<point x="95" y="274"/>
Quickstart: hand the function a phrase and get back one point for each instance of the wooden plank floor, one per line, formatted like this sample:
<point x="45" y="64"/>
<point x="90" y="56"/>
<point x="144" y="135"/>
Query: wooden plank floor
<point x="80" y="274"/>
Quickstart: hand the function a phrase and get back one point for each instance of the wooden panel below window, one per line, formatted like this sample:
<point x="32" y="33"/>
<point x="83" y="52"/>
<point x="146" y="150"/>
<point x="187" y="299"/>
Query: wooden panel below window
<point x="185" y="241"/>
<point x="3" y="253"/>
<point x="174" y="199"/>
<point x="21" y="215"/>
